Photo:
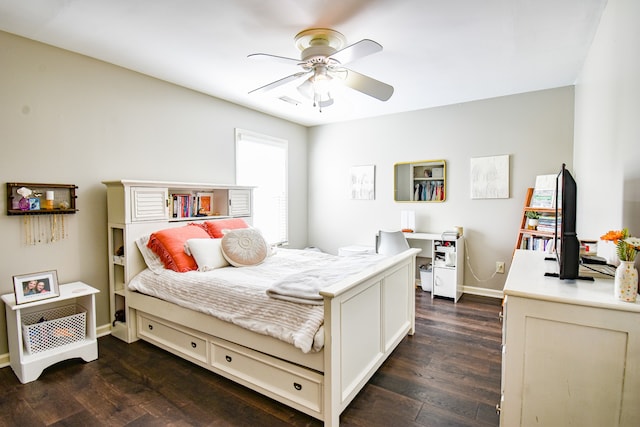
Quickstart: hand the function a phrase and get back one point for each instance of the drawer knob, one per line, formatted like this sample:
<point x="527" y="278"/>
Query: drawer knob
<point x="498" y="409"/>
<point x="151" y="327"/>
<point x="297" y="386"/>
<point x="193" y="345"/>
<point x="228" y="358"/>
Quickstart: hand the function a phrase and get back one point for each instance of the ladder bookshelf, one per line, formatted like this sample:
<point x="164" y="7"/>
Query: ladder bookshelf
<point x="525" y="234"/>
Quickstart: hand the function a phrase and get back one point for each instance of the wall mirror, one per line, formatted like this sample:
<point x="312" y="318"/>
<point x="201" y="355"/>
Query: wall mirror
<point x="421" y="181"/>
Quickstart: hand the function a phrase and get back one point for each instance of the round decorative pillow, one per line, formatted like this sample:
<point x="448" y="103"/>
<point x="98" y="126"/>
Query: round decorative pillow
<point x="244" y="247"/>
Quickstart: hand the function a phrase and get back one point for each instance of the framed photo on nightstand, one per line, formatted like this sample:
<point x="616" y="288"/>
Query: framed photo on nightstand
<point x="35" y="286"/>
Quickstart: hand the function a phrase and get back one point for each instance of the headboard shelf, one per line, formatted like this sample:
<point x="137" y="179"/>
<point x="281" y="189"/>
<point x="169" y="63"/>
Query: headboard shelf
<point x="137" y="208"/>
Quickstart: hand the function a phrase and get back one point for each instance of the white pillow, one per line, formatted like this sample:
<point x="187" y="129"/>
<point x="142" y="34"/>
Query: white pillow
<point x="243" y="247"/>
<point x="152" y="259"/>
<point x="206" y="252"/>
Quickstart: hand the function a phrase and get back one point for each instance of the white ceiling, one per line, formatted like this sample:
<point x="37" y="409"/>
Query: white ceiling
<point x="436" y="52"/>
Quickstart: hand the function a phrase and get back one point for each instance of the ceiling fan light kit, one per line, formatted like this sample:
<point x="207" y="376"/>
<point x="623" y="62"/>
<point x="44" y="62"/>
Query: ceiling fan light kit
<point x="322" y="58"/>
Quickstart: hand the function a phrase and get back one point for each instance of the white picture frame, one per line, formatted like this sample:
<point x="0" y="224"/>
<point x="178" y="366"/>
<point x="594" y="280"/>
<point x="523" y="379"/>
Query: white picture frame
<point x="35" y="286"/>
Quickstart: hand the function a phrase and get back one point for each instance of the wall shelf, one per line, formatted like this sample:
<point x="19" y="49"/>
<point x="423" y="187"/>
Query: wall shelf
<point x="61" y="200"/>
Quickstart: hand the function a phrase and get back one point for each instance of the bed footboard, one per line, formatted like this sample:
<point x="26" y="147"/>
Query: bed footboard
<point x="365" y="320"/>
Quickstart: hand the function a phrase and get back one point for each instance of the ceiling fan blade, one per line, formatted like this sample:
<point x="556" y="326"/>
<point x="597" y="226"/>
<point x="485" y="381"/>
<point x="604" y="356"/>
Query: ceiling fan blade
<point x="280" y="82"/>
<point x="368" y="86"/>
<point x="283" y="59"/>
<point x="356" y="51"/>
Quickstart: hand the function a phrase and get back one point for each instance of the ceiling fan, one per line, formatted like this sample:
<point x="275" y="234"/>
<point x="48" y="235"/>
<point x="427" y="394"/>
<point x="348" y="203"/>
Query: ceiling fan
<point x="322" y="59"/>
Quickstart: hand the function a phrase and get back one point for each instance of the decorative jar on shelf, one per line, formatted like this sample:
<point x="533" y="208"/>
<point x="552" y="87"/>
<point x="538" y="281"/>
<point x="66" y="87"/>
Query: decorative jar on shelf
<point x="532" y="219"/>
<point x="626" y="281"/>
<point x="24" y="204"/>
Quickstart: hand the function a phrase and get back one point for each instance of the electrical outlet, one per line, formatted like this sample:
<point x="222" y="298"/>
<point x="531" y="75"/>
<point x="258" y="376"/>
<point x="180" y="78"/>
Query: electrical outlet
<point x="500" y="267"/>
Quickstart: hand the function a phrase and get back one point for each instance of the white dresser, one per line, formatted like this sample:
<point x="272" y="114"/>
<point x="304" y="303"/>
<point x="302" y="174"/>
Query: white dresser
<point x="571" y="351"/>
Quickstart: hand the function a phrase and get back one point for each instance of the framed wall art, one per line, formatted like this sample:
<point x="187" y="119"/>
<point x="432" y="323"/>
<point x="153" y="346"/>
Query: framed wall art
<point x="35" y="286"/>
<point x="490" y="177"/>
<point x="362" y="180"/>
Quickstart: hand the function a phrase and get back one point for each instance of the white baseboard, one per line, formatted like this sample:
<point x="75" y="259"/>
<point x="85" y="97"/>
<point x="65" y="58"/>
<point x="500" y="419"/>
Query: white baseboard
<point x="4" y="360"/>
<point x="103" y="330"/>
<point x="492" y="293"/>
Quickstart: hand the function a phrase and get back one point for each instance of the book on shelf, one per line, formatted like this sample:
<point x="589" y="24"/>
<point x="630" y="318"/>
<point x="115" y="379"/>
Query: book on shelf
<point x="544" y="192"/>
<point x="182" y="205"/>
<point x="187" y="205"/>
<point x="537" y="243"/>
<point x="547" y="223"/>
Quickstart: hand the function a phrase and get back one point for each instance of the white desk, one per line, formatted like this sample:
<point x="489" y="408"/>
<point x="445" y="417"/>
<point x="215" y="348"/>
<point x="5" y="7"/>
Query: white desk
<point x="423" y="241"/>
<point x="423" y="236"/>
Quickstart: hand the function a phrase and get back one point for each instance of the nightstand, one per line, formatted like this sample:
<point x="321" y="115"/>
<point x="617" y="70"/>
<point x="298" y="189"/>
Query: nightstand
<point x="66" y="329"/>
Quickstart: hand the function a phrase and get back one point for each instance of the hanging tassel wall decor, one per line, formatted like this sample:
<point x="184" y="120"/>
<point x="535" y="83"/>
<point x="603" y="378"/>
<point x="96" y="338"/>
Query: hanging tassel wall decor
<point x="41" y="230"/>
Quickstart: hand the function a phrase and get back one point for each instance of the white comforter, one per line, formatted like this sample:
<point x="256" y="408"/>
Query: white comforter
<point x="239" y="295"/>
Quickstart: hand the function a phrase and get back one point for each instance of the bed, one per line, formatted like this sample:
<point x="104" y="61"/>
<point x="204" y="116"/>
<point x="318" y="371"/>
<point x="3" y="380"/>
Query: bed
<point x="364" y="312"/>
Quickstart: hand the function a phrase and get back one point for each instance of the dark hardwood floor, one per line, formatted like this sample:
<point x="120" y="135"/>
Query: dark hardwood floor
<point x="447" y="374"/>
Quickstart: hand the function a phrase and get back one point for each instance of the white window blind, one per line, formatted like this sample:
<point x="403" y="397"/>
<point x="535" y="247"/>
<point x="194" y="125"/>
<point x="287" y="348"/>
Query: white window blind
<point x="261" y="161"/>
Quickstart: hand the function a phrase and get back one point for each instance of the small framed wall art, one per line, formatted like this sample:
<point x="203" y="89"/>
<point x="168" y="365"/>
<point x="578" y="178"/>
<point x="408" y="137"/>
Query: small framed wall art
<point x="362" y="182"/>
<point x="35" y="286"/>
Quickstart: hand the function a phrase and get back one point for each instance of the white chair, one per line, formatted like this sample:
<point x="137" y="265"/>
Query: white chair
<point x="391" y="242"/>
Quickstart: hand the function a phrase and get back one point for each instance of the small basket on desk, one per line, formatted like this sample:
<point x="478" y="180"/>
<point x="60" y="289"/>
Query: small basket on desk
<point x="47" y="329"/>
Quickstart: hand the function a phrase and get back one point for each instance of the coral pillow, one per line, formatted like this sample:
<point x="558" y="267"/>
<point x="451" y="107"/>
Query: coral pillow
<point x="244" y="247"/>
<point x="215" y="228"/>
<point x="207" y="253"/>
<point x="169" y="245"/>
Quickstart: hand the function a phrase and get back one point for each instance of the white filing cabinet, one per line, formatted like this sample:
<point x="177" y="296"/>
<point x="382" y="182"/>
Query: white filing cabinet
<point x="29" y="365"/>
<point x="446" y="255"/>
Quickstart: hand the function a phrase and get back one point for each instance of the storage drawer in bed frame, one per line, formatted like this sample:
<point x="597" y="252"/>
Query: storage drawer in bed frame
<point x="298" y="387"/>
<point x="188" y="344"/>
<point x="291" y="382"/>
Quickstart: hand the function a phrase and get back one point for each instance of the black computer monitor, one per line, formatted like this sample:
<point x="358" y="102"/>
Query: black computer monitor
<point x="567" y="245"/>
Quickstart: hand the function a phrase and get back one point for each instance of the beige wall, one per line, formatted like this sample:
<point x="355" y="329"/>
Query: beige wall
<point x="65" y="118"/>
<point x="534" y="129"/>
<point x="607" y="136"/>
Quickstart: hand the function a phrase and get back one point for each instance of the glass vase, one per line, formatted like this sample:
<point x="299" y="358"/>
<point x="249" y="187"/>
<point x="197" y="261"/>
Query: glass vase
<point x="626" y="282"/>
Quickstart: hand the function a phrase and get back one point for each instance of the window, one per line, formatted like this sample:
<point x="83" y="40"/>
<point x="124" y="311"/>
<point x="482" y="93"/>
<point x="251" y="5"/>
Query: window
<point x="261" y="161"/>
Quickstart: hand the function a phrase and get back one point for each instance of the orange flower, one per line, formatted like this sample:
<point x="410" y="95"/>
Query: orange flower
<point x="626" y="247"/>
<point x="613" y="236"/>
